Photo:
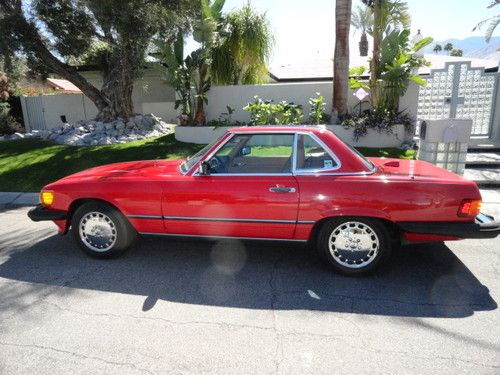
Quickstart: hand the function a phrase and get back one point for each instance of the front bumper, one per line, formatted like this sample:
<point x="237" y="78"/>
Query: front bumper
<point x="484" y="226"/>
<point x="42" y="213"/>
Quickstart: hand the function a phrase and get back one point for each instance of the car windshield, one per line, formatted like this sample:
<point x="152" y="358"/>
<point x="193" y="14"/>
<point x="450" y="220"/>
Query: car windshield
<point x="192" y="160"/>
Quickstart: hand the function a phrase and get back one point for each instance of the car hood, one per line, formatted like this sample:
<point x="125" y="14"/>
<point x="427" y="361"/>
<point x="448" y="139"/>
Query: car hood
<point x="142" y="168"/>
<point x="413" y="169"/>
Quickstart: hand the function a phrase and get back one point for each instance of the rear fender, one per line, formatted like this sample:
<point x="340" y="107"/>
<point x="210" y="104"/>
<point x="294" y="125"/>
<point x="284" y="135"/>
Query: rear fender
<point x="354" y="211"/>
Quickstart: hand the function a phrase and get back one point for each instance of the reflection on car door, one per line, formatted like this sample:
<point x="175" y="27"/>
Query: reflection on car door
<point x="251" y="194"/>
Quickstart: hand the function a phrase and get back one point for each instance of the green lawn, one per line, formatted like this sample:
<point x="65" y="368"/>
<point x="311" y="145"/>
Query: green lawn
<point x="29" y="164"/>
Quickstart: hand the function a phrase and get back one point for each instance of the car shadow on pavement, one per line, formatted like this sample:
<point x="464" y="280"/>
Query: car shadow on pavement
<point x="418" y="281"/>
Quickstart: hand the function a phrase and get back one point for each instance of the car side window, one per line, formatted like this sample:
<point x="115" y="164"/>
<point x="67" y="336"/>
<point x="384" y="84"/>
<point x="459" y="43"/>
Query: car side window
<point x="312" y="156"/>
<point x="254" y="154"/>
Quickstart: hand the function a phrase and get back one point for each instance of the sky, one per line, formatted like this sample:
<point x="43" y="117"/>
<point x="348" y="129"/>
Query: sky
<point x="305" y="29"/>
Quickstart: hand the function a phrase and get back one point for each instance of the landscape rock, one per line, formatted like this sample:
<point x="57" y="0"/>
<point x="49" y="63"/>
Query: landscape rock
<point x="92" y="133"/>
<point x="16" y="136"/>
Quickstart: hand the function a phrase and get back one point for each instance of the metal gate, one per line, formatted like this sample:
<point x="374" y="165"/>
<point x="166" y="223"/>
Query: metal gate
<point x="460" y="91"/>
<point x="34" y="110"/>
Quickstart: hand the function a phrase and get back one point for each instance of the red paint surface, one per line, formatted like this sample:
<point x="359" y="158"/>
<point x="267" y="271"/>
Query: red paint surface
<point x="399" y="190"/>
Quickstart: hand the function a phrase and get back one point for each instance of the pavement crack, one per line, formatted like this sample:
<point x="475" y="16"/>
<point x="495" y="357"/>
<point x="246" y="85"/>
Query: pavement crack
<point x="278" y="355"/>
<point x="78" y="355"/>
<point x="167" y="321"/>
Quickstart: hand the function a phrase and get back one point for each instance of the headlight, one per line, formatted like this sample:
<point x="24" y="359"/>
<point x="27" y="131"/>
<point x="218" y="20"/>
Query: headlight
<point x="47" y="198"/>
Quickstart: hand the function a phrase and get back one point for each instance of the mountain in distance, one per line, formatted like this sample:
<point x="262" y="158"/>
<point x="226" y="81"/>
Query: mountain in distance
<point x="474" y="46"/>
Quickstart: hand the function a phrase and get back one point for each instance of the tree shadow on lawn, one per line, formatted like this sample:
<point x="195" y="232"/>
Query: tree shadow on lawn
<point x="418" y="281"/>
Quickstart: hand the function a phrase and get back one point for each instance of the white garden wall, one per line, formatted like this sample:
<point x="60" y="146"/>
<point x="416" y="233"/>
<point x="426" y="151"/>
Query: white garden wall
<point x="205" y="134"/>
<point x="151" y="95"/>
<point x="299" y="93"/>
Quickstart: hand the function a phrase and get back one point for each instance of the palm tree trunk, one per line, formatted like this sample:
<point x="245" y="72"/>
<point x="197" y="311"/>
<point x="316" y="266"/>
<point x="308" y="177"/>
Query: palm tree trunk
<point x="341" y="57"/>
<point x="363" y="45"/>
<point x="375" y="61"/>
<point x="200" y="117"/>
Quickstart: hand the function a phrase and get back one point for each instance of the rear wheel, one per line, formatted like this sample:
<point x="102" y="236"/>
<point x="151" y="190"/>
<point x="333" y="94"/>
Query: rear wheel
<point x="354" y="245"/>
<point x="101" y="230"/>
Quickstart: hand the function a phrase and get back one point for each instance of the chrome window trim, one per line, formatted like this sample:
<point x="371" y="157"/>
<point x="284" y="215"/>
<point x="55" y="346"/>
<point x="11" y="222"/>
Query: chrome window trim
<point x="195" y="172"/>
<point x="295" y="171"/>
<point x="219" y="237"/>
<point x="298" y="171"/>
<point x="317" y="174"/>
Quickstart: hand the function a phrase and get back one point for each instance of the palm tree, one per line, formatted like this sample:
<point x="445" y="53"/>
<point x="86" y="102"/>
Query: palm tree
<point x="493" y="22"/>
<point x="341" y="57"/>
<point x="207" y="31"/>
<point x="243" y="55"/>
<point x="437" y="48"/>
<point x="362" y="19"/>
<point x="448" y="47"/>
<point x="385" y="12"/>
<point x="456" y="52"/>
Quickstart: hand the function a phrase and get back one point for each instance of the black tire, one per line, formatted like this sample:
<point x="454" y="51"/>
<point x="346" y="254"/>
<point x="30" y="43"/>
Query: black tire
<point x="372" y="239"/>
<point x="115" y="229"/>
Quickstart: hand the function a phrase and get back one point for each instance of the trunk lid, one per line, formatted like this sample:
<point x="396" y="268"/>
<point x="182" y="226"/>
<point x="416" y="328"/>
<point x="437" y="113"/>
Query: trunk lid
<point x="414" y="169"/>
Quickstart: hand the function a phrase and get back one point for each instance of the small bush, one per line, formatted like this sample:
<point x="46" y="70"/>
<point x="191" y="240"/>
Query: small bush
<point x="265" y="112"/>
<point x="8" y="124"/>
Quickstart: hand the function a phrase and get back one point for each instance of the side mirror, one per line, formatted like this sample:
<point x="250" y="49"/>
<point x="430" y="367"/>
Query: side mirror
<point x="204" y="168"/>
<point x="247" y="150"/>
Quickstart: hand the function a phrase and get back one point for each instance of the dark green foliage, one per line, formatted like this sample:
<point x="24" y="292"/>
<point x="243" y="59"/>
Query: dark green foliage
<point x="114" y="33"/>
<point x="380" y="119"/>
<point x="70" y="25"/>
<point x="398" y="66"/>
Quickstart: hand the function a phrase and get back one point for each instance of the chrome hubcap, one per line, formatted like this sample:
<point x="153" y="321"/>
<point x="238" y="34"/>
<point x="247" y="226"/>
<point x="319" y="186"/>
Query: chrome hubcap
<point x="353" y="244"/>
<point x="97" y="231"/>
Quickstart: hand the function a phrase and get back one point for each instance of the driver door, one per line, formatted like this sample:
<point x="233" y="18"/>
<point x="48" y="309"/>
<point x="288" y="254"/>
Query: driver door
<point x="249" y="192"/>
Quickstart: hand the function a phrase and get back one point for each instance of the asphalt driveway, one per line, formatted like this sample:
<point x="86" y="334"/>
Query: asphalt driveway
<point x="241" y="307"/>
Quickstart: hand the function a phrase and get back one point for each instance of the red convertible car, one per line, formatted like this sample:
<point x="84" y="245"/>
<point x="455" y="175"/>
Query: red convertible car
<point x="294" y="183"/>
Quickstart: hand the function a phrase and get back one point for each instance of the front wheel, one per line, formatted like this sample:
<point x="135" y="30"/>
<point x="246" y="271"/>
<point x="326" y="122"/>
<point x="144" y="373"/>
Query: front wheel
<point x="101" y="230"/>
<point x="354" y="246"/>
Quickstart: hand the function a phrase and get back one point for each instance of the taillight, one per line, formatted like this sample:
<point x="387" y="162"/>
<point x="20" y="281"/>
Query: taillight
<point x="469" y="208"/>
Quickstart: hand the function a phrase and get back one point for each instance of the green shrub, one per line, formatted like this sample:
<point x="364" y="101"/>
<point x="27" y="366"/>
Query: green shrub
<point x="317" y="114"/>
<point x="8" y="124"/>
<point x="265" y="112"/>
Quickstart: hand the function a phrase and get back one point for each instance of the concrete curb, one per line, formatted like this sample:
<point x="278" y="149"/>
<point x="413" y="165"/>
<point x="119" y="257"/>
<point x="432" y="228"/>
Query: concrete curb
<point x="18" y="199"/>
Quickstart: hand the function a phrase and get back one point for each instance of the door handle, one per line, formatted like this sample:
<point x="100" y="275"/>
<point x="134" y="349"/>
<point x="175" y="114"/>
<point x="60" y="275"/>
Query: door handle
<point x="281" y="189"/>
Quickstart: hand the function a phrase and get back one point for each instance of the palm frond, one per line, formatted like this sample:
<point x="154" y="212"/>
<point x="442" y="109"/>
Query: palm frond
<point x="491" y="27"/>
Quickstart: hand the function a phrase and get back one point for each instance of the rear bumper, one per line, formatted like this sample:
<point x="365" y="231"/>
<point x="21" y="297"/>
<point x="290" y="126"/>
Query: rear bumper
<point x="484" y="226"/>
<point x="42" y="213"/>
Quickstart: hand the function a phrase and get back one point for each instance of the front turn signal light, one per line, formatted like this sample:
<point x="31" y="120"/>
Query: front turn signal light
<point x="46" y="198"/>
<point x="469" y="208"/>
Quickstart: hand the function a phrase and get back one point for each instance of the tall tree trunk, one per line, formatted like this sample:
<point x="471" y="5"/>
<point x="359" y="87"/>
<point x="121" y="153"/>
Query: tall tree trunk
<point x="117" y="87"/>
<point x="341" y="57"/>
<point x="200" y="117"/>
<point x="375" y="61"/>
<point x="363" y="45"/>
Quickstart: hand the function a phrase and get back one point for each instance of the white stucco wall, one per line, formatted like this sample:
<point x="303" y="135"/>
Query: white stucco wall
<point x="151" y="95"/>
<point x="299" y="93"/>
<point x="205" y="134"/>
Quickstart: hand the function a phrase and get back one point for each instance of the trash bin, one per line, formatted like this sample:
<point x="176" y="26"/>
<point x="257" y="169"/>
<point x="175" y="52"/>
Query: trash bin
<point x="444" y="143"/>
